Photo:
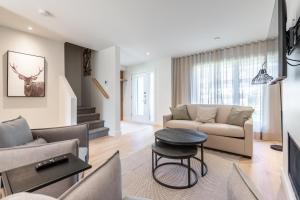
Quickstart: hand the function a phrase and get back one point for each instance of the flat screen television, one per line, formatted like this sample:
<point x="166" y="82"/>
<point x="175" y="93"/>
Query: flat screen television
<point x="277" y="31"/>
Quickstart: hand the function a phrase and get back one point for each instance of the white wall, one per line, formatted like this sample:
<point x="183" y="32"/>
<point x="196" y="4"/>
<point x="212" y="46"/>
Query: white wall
<point x="67" y="103"/>
<point x="293" y="9"/>
<point x="105" y="67"/>
<point x="162" y="86"/>
<point x="291" y="99"/>
<point x="40" y="112"/>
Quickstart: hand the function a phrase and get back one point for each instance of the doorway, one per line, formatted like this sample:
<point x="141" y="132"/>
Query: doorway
<point x="142" y="97"/>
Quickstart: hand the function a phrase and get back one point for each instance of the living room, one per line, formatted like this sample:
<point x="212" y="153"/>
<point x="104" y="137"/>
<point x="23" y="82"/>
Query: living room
<point x="149" y="99"/>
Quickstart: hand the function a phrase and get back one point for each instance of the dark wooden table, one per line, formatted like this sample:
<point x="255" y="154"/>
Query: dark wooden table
<point x="178" y="144"/>
<point x="28" y="179"/>
<point x="180" y="136"/>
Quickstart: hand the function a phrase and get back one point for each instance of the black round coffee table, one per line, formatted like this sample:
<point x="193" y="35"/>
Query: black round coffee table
<point x="178" y="144"/>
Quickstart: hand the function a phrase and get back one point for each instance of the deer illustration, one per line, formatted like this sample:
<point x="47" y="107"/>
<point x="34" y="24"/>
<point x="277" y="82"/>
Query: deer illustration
<point x="31" y="89"/>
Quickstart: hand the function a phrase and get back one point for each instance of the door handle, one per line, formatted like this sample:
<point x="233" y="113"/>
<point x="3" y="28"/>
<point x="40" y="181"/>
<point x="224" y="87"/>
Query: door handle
<point x="145" y="97"/>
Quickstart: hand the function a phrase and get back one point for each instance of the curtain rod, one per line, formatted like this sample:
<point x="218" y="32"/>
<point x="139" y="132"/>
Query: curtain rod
<point x="222" y="49"/>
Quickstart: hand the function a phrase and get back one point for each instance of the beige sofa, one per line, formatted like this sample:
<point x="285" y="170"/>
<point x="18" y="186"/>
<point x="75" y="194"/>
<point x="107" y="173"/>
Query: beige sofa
<point x="221" y="136"/>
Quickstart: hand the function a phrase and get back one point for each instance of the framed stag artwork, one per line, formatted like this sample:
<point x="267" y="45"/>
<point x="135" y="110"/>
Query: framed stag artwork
<point x="25" y="75"/>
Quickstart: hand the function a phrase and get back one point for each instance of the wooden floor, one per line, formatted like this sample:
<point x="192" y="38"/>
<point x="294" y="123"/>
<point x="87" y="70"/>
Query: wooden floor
<point x="264" y="169"/>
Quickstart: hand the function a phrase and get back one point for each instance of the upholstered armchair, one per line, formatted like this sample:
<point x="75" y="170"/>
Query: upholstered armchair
<point x="21" y="146"/>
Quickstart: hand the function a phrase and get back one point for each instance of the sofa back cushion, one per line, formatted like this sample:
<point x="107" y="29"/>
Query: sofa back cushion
<point x="206" y="114"/>
<point x="14" y="132"/>
<point x="103" y="183"/>
<point x="222" y="111"/>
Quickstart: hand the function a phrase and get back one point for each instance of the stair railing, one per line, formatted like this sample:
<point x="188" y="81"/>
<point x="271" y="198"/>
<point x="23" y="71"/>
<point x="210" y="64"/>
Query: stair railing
<point x="100" y="88"/>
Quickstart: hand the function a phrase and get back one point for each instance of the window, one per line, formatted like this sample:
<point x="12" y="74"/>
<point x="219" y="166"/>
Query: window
<point x="228" y="81"/>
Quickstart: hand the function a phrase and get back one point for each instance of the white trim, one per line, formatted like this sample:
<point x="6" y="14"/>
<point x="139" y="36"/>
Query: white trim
<point x="287" y="186"/>
<point x="142" y="122"/>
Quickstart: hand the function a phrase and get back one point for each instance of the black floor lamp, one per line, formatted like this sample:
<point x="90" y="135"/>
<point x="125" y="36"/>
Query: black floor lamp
<point x="264" y="78"/>
<point x="278" y="147"/>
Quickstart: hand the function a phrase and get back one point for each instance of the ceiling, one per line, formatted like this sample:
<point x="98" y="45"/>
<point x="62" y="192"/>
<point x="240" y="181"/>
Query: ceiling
<point x="161" y="27"/>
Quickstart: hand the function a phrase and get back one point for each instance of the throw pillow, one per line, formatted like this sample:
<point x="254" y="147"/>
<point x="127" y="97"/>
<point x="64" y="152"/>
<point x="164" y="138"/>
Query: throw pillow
<point x="36" y="142"/>
<point x="180" y="113"/>
<point x="206" y="114"/>
<point x="14" y="132"/>
<point x="239" y="185"/>
<point x="239" y="115"/>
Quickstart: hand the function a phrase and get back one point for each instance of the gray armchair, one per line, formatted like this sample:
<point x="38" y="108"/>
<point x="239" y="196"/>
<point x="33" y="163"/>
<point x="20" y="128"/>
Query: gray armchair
<point x="20" y="146"/>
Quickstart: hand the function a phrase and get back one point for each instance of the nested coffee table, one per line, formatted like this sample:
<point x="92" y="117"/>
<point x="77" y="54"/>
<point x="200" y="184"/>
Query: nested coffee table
<point x="181" y="144"/>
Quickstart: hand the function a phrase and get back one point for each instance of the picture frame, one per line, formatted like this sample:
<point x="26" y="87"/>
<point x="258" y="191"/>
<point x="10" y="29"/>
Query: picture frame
<point x="25" y="75"/>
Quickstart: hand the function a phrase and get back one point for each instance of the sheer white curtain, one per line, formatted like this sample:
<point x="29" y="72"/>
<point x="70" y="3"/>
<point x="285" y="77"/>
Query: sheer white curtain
<point x="224" y="77"/>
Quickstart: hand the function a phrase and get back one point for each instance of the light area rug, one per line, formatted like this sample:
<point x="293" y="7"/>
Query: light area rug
<point x="138" y="181"/>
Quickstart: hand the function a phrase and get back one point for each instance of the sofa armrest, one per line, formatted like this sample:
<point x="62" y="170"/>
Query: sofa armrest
<point x="166" y="118"/>
<point x="248" y="130"/>
<point x="79" y="132"/>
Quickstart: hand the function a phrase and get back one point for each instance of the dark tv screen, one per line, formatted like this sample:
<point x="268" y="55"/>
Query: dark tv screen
<point x="277" y="31"/>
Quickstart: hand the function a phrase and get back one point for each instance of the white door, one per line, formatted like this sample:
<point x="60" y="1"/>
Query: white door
<point x="141" y="97"/>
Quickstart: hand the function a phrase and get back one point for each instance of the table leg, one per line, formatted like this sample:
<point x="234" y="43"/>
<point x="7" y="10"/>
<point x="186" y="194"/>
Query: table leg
<point x="152" y="161"/>
<point x="155" y="160"/>
<point x="181" y="161"/>
<point x="202" y="158"/>
<point x="189" y="172"/>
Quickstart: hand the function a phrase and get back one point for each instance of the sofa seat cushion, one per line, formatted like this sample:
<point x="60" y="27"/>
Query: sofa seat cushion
<point x="222" y="130"/>
<point x="188" y="124"/>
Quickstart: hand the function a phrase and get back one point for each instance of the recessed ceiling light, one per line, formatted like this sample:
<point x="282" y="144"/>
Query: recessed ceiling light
<point x="45" y="13"/>
<point x="148" y="53"/>
<point x="217" y="38"/>
<point x="29" y="28"/>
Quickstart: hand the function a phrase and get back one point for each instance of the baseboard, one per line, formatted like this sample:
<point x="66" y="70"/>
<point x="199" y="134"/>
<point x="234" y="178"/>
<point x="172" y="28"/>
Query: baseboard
<point x="267" y="137"/>
<point x="141" y="122"/>
<point x="288" y="188"/>
<point x="114" y="133"/>
<point x="228" y="152"/>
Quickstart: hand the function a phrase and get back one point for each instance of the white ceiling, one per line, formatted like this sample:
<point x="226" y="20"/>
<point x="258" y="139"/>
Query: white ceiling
<point x="161" y="27"/>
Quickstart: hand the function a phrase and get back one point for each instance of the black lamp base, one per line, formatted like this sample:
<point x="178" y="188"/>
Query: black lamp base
<point x="276" y="147"/>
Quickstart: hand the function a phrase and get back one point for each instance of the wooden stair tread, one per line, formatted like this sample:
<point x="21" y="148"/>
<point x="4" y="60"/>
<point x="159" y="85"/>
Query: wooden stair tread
<point x="84" y="107"/>
<point x="92" y="121"/>
<point x="98" y="130"/>
<point x="87" y="114"/>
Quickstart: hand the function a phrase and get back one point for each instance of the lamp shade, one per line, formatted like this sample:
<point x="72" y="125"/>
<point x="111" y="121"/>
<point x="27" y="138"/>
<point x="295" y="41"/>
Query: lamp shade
<point x="262" y="77"/>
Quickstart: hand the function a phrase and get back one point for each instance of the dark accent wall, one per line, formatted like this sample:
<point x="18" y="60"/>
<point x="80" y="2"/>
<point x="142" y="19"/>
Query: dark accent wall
<point x="73" y="69"/>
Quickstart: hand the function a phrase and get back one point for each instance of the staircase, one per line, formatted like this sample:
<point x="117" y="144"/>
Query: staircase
<point x="88" y="115"/>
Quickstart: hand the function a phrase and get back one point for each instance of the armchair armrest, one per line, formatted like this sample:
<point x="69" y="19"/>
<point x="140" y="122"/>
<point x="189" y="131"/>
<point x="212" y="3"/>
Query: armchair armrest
<point x="166" y="118"/>
<point x="23" y="155"/>
<point x="79" y="132"/>
<point x="248" y="130"/>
